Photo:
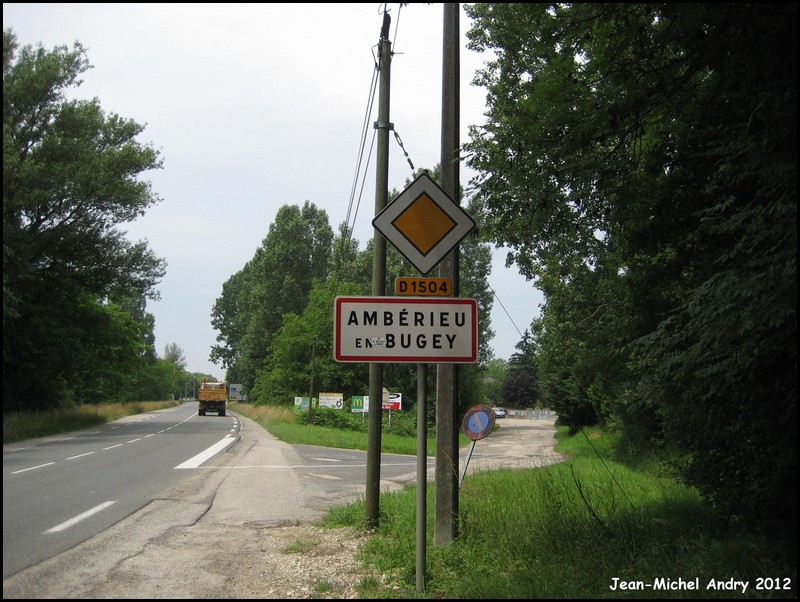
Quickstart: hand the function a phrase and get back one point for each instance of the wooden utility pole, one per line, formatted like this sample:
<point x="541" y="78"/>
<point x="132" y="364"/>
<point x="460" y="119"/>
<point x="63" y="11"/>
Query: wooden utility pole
<point x="446" y="510"/>
<point x="373" y="477"/>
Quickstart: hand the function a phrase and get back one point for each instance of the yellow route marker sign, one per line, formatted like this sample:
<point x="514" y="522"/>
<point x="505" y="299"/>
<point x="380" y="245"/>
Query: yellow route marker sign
<point x="421" y="287"/>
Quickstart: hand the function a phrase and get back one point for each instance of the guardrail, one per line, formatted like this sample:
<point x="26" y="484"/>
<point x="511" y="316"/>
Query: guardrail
<point x="532" y="414"/>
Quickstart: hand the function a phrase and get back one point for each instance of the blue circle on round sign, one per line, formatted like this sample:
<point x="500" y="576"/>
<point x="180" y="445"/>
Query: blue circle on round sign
<point x="478" y="422"/>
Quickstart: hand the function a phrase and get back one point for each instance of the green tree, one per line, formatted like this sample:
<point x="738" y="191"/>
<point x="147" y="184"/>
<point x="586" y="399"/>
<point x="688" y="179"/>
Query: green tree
<point x="102" y="352"/>
<point x="135" y="303"/>
<point x="229" y="318"/>
<point x="276" y="281"/>
<point x="70" y="177"/>
<point x="175" y="355"/>
<point x="580" y="337"/>
<point x="343" y="263"/>
<point x="475" y="268"/>
<point x="494" y="374"/>
<point x="640" y="160"/>
<point x="521" y="385"/>
<point x="304" y="345"/>
<point x="154" y="383"/>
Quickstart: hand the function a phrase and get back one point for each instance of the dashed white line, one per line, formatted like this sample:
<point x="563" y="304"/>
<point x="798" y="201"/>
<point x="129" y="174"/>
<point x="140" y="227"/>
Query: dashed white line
<point x="80" y="517"/>
<point x="80" y="455"/>
<point x="191" y="463"/>
<point x="32" y="468"/>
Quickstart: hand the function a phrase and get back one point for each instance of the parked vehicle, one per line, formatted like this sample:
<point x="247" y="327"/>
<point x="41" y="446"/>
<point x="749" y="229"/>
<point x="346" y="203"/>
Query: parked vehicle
<point x="499" y="412"/>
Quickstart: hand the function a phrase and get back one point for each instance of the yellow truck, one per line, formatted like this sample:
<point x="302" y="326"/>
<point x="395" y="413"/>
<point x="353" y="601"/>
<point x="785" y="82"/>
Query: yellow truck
<point x="213" y="397"/>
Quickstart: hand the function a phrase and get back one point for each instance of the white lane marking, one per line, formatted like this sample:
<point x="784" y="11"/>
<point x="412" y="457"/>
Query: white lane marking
<point x="32" y="468"/>
<point x="197" y="460"/>
<point x="80" y="517"/>
<point x="104" y="449"/>
<point x="80" y="455"/>
<point x="327" y="467"/>
<point x="325" y="476"/>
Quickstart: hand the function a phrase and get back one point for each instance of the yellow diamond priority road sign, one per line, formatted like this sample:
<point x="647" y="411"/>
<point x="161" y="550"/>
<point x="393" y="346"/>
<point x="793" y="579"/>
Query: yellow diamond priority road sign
<point x="423" y="223"/>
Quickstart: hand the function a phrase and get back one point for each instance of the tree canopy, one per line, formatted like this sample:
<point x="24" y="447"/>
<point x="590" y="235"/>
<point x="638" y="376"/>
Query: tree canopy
<point x="275" y="316"/>
<point x="72" y="282"/>
<point x="640" y="161"/>
<point x="276" y="281"/>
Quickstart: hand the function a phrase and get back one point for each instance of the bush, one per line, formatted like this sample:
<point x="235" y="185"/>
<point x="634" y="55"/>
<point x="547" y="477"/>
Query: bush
<point x="331" y="418"/>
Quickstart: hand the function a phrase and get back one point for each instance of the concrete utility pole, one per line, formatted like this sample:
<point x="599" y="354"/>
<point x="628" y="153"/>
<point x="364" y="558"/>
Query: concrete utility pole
<point x="422" y="476"/>
<point x="446" y="510"/>
<point x="373" y="477"/>
<point x="311" y="386"/>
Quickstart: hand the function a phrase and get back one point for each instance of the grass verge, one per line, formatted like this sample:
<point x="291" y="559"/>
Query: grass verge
<point x="585" y="528"/>
<point x="281" y="422"/>
<point x="20" y="426"/>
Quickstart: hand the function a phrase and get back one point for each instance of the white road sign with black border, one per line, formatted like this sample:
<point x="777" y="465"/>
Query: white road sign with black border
<point x="423" y="223"/>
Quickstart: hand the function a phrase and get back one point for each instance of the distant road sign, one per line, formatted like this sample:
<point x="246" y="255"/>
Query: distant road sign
<point x="395" y="402"/>
<point x="331" y="400"/>
<point x="423" y="223"/>
<point x="405" y="330"/>
<point x="359" y="403"/>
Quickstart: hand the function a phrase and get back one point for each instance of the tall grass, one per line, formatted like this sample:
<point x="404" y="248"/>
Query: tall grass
<point x="567" y="531"/>
<point x="282" y="422"/>
<point x="19" y="426"/>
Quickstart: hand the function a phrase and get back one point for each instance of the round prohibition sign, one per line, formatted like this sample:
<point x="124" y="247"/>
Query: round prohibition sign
<point x="478" y="422"/>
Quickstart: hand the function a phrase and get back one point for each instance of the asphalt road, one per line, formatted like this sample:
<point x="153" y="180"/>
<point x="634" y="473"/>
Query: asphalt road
<point x="59" y="491"/>
<point x="208" y="518"/>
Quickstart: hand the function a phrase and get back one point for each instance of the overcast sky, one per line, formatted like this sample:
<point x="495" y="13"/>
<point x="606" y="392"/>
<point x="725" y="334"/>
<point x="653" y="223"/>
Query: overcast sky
<point x="255" y="106"/>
